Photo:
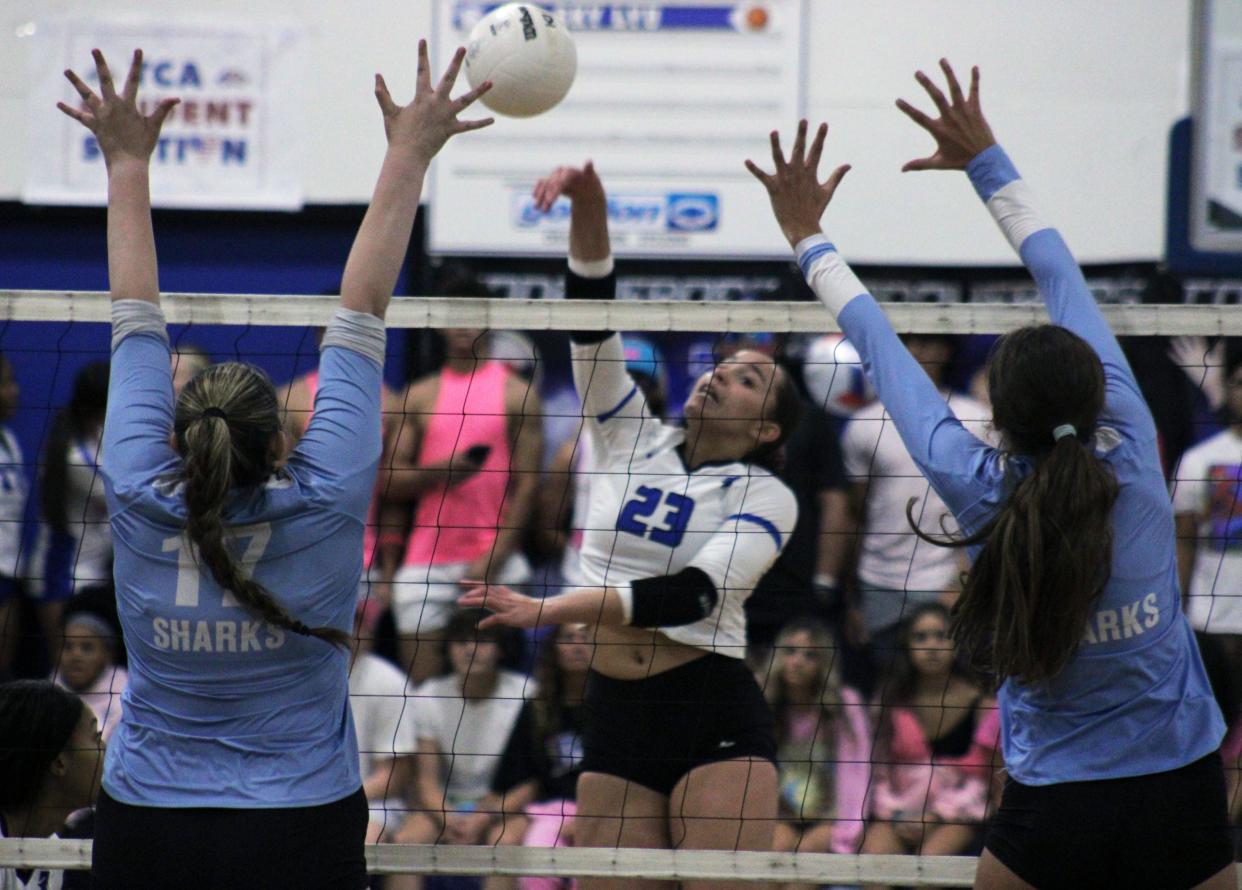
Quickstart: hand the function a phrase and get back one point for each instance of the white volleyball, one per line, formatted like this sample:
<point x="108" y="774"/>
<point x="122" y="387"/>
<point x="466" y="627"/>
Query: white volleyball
<point x="832" y="371"/>
<point x="527" y="54"/>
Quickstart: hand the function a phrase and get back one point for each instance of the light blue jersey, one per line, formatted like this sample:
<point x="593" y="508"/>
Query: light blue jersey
<point x="224" y="709"/>
<point x="1135" y="699"/>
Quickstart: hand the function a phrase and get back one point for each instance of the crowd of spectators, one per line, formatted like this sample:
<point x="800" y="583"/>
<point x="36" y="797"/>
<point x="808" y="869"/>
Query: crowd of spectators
<point x="888" y="742"/>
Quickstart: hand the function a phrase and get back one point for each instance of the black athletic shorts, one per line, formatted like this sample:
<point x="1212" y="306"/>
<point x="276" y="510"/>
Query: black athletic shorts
<point x="656" y="730"/>
<point x="1164" y="831"/>
<point x="318" y="848"/>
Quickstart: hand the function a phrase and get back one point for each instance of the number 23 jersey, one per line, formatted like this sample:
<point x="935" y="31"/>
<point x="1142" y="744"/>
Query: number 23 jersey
<point x="650" y="515"/>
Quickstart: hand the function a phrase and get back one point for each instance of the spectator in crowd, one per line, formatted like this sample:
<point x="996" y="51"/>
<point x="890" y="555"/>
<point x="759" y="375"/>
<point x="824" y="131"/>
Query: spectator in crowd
<point x="187" y="361"/>
<point x="13" y="493"/>
<point x="384" y="721"/>
<point x="565" y="495"/>
<point x="79" y="545"/>
<point x="464" y="721"/>
<point x="894" y="571"/>
<point x="824" y="743"/>
<point x="466" y="463"/>
<point x="538" y="773"/>
<point x="51" y="759"/>
<point x="88" y="667"/>
<point x="936" y="746"/>
<point x="1206" y="488"/>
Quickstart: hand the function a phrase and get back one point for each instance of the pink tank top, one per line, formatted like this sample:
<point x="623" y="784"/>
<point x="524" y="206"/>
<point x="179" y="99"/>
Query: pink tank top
<point x="370" y="531"/>
<point x="459" y="523"/>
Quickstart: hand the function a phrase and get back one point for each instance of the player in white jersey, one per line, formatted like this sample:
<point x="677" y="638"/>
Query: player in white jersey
<point x="237" y="560"/>
<point x="679" y="748"/>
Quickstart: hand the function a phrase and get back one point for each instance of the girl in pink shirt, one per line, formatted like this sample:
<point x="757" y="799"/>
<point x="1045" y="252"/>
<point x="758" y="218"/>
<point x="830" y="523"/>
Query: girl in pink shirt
<point x="936" y="747"/>
<point x="824" y="743"/>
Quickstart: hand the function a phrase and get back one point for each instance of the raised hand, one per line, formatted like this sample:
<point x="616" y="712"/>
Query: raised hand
<point x="121" y="129"/>
<point x="577" y="184"/>
<point x="798" y="197"/>
<point x="509" y="608"/>
<point x="430" y="120"/>
<point x="961" y="131"/>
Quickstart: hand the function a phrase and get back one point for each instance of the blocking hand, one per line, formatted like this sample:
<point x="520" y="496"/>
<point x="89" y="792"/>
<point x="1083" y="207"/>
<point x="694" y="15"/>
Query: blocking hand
<point x="961" y="131"/>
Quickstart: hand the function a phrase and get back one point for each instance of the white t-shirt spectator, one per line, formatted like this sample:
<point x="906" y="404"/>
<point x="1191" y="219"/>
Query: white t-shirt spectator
<point x="892" y="557"/>
<point x="33" y="879"/>
<point x="1207" y="484"/>
<point x="383" y="712"/>
<point x="471" y="734"/>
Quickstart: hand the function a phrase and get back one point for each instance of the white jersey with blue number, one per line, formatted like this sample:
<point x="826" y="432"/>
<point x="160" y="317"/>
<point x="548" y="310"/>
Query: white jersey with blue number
<point x="650" y="515"/>
<point x="224" y="709"/>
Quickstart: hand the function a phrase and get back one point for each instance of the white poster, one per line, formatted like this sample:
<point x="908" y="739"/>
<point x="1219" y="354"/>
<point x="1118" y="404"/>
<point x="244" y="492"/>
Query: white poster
<point x="669" y="99"/>
<point x="234" y="142"/>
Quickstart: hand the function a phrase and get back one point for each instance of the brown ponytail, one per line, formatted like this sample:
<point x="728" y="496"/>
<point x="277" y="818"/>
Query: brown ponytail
<point x="225" y="421"/>
<point x="1047" y="554"/>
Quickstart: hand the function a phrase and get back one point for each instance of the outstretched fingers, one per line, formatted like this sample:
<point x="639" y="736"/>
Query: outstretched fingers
<point x="465" y="100"/>
<point x="765" y="178"/>
<point x="817" y="147"/>
<point x="78" y="114"/>
<point x="424" y="67"/>
<point x="955" y="89"/>
<point x="798" y="157"/>
<point x="450" y="74"/>
<point x="130" y="91"/>
<point x="830" y="186"/>
<point x="106" y="87"/>
<point x="915" y="115"/>
<point x="934" y="91"/>
<point x="778" y="155"/>
<point x="384" y="98"/>
<point x="162" y="111"/>
<point x="88" y="95"/>
<point x="467" y="126"/>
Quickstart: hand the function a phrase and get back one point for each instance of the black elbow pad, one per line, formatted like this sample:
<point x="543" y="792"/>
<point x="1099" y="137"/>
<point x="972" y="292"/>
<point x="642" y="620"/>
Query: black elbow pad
<point x="673" y="600"/>
<point x="579" y="288"/>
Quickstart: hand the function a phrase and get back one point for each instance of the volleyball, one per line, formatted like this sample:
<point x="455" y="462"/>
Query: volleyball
<point x="834" y="376"/>
<point x="527" y="54"/>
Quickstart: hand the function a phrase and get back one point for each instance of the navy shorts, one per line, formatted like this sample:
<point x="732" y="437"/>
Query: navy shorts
<point x="1163" y="831"/>
<point x="655" y="731"/>
<point x="231" y="849"/>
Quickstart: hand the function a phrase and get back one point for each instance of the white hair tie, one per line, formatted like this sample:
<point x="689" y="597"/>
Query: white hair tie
<point x="1065" y="429"/>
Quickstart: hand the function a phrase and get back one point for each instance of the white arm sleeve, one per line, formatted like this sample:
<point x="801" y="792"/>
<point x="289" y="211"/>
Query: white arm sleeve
<point x="761" y="521"/>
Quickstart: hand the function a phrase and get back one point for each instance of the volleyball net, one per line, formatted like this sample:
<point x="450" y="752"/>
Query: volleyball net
<point x="49" y="338"/>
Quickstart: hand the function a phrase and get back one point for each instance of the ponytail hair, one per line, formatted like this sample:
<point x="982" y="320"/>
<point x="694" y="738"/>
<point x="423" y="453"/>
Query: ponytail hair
<point x="225" y="421"/>
<point x="1047" y="554"/>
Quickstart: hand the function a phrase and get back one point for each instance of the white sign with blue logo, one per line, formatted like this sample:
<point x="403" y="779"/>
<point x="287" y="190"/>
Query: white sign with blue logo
<point x="234" y="141"/>
<point x="669" y="99"/>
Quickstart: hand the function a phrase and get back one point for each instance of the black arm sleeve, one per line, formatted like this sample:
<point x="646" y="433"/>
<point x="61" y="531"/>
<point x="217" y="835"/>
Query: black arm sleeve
<point x="579" y="288"/>
<point x="673" y="600"/>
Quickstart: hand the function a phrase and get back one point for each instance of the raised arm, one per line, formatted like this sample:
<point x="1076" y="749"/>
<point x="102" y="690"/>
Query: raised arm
<point x="344" y="437"/>
<point x="947" y="453"/>
<point x="140" y="409"/>
<point x="415" y="133"/>
<point x="964" y="141"/>
<point x="607" y="391"/>
<point x="126" y="139"/>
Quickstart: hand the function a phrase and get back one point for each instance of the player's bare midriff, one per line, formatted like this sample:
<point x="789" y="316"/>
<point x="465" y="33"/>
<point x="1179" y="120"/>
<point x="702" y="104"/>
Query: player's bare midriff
<point x="630" y="653"/>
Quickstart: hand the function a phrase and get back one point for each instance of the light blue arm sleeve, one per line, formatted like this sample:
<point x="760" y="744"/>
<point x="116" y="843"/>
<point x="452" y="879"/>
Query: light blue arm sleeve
<point x="960" y="467"/>
<point x="139" y="421"/>
<point x="1061" y="283"/>
<point x="340" y="451"/>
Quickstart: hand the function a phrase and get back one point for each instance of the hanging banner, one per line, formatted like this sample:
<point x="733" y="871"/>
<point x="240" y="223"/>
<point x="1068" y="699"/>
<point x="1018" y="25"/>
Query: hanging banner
<point x="670" y="96"/>
<point x="234" y="142"/>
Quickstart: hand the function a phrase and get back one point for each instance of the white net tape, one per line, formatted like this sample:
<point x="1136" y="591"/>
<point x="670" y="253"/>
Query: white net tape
<point x="585" y="315"/>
